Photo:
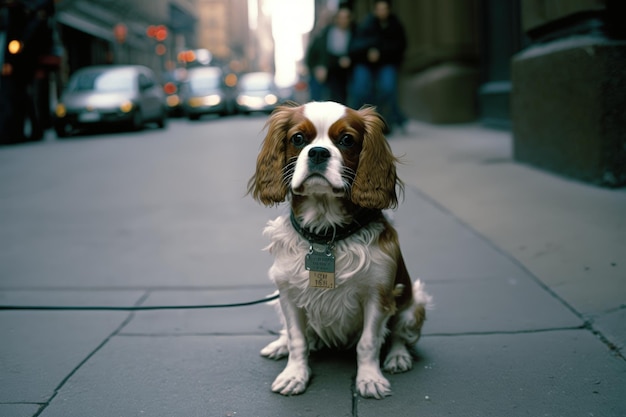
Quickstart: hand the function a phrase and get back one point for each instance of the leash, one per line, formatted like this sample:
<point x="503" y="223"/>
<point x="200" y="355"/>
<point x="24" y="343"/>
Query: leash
<point x="139" y="308"/>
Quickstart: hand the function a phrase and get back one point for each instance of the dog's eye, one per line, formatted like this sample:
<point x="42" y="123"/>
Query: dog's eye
<point x="346" y="140"/>
<point x="298" y="140"/>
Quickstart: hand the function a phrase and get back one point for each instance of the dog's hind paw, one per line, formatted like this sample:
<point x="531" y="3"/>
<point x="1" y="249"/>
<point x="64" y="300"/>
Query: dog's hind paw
<point x="397" y="362"/>
<point x="278" y="349"/>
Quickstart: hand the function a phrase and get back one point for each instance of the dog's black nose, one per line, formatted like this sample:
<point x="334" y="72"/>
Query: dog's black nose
<point x="319" y="155"/>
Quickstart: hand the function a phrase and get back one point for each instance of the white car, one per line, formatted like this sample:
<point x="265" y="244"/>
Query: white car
<point x="257" y="93"/>
<point x="117" y="95"/>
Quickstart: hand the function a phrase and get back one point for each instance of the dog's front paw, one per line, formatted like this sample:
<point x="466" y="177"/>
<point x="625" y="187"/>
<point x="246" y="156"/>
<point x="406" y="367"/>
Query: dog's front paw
<point x="292" y="381"/>
<point x="399" y="361"/>
<point x="371" y="384"/>
<point x="277" y="349"/>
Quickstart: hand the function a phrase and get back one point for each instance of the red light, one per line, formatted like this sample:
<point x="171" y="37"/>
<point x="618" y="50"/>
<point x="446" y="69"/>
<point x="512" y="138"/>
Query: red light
<point x="190" y="56"/>
<point x="186" y="56"/>
<point x="120" y="31"/>
<point x="160" y="49"/>
<point x="151" y="31"/>
<point x="169" y="88"/>
<point x="161" y="33"/>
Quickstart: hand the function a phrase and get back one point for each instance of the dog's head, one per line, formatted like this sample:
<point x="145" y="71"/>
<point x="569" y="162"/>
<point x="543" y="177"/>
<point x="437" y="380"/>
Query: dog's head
<point x="325" y="148"/>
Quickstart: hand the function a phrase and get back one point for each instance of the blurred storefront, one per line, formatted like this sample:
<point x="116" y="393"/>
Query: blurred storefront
<point x="59" y="37"/>
<point x="29" y="53"/>
<point x="115" y="31"/>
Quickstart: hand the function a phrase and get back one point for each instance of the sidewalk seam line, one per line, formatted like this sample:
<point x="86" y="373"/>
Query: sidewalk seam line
<point x="587" y="323"/>
<point x="583" y="326"/>
<point x="115" y="332"/>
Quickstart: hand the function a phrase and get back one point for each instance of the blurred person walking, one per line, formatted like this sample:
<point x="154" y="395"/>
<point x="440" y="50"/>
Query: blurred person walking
<point x="328" y="58"/>
<point x="317" y="70"/>
<point x="377" y="51"/>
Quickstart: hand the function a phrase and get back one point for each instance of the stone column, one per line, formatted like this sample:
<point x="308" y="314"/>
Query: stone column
<point x="569" y="89"/>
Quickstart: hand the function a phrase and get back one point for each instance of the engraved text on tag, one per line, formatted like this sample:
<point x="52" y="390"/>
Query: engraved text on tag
<point x="320" y="262"/>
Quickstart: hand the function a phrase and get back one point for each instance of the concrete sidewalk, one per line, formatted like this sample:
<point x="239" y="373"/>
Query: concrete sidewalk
<point x="526" y="270"/>
<point x="569" y="235"/>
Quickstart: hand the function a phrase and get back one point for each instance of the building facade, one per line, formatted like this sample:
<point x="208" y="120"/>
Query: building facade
<point x="115" y="31"/>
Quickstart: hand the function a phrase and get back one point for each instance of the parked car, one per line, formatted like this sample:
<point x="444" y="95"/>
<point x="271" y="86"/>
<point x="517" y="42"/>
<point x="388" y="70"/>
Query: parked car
<point x="257" y="92"/>
<point x="127" y="96"/>
<point x="204" y="92"/>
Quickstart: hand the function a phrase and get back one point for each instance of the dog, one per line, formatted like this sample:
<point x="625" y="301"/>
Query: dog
<point x="340" y="274"/>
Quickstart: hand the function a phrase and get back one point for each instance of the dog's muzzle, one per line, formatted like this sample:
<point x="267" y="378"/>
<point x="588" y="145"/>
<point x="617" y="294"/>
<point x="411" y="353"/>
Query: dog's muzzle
<point x="318" y="158"/>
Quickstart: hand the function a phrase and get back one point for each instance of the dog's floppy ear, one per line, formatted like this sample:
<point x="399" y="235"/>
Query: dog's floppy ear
<point x="268" y="185"/>
<point x="375" y="183"/>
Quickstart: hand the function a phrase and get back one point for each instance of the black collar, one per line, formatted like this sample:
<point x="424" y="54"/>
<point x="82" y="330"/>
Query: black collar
<point x="362" y="218"/>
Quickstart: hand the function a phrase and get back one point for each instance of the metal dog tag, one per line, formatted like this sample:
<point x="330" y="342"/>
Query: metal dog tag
<point x="320" y="262"/>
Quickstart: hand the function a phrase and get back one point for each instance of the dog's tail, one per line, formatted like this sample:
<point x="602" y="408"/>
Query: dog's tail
<point x="420" y="295"/>
<point x="421" y="301"/>
<point x="409" y="322"/>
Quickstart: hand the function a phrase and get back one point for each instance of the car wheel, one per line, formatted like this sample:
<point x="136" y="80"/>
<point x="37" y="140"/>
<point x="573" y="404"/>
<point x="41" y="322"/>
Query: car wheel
<point x="162" y="121"/>
<point x="137" y="122"/>
<point x="62" y="131"/>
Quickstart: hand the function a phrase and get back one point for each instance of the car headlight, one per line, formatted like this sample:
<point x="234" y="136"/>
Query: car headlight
<point x="250" y="101"/>
<point x="126" y="106"/>
<point x="173" y="100"/>
<point x="195" y="101"/>
<point x="271" y="99"/>
<point x="60" y="110"/>
<point x="213" y="100"/>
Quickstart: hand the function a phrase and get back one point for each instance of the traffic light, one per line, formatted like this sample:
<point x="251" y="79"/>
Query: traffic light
<point x="157" y="32"/>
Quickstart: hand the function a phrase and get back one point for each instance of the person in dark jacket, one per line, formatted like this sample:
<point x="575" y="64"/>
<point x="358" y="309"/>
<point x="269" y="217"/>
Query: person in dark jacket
<point x="338" y="62"/>
<point x="328" y="59"/>
<point x="377" y="51"/>
<point x="317" y="70"/>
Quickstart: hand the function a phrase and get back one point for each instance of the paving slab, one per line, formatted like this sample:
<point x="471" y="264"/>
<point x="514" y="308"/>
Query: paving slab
<point x="560" y="373"/>
<point x="131" y="247"/>
<point x="40" y="349"/>
<point x="196" y="376"/>
<point x="18" y="410"/>
<point x="438" y="246"/>
<point x="140" y="212"/>
<point x="568" y="234"/>
<point x="612" y="326"/>
<point x="70" y="297"/>
<point x="469" y="279"/>
<point x="495" y="304"/>
<point x="492" y="375"/>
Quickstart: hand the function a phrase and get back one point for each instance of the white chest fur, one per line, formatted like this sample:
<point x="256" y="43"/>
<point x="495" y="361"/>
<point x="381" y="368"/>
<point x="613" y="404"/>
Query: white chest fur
<point x="335" y="315"/>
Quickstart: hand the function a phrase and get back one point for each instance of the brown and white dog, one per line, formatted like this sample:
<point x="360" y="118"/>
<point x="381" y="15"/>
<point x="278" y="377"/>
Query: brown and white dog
<point x="338" y="266"/>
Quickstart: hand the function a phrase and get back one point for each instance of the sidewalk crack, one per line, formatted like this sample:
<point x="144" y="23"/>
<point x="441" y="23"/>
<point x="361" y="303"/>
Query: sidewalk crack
<point x="355" y="397"/>
<point x="106" y="340"/>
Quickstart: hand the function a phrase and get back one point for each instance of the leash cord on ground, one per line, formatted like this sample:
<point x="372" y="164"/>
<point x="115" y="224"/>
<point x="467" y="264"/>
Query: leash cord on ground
<point x="139" y="308"/>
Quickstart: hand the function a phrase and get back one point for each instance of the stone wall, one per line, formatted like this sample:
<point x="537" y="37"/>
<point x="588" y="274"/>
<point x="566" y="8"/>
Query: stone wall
<point x="569" y="101"/>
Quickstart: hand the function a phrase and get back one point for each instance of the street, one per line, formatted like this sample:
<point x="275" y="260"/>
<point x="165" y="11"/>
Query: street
<point x="161" y="218"/>
<point x="135" y="210"/>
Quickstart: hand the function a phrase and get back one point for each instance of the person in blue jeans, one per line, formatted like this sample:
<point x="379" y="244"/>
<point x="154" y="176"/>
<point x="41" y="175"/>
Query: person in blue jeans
<point x="377" y="50"/>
